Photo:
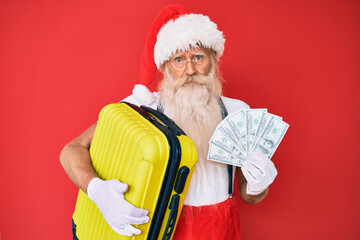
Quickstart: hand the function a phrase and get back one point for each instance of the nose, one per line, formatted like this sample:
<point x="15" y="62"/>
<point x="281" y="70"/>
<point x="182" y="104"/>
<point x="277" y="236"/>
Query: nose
<point x="189" y="68"/>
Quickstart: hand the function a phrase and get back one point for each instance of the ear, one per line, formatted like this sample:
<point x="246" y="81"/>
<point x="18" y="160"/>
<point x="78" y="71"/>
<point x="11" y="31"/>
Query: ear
<point x="162" y="68"/>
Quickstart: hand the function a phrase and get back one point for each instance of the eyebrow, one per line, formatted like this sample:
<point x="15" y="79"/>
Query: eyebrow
<point x="176" y="55"/>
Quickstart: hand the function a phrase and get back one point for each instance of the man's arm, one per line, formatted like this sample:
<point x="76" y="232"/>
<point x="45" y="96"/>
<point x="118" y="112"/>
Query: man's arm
<point x="252" y="199"/>
<point x="76" y="161"/>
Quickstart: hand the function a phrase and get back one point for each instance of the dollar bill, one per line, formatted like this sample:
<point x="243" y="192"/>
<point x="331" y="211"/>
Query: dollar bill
<point x="263" y="123"/>
<point x="222" y="141"/>
<point x="271" y="136"/>
<point x="236" y="124"/>
<point x="225" y="128"/>
<point x="243" y="132"/>
<point x="218" y="154"/>
<point x="253" y="120"/>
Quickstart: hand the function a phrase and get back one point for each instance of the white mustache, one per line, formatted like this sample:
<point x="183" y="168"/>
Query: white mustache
<point x="192" y="80"/>
<point x="209" y="82"/>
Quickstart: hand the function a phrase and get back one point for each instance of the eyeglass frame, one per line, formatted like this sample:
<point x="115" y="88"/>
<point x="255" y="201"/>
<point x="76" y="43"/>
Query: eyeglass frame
<point x="205" y="54"/>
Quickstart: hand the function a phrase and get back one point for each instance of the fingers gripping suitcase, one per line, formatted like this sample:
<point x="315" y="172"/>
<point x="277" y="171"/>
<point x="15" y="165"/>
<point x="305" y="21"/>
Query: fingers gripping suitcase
<point x="149" y="152"/>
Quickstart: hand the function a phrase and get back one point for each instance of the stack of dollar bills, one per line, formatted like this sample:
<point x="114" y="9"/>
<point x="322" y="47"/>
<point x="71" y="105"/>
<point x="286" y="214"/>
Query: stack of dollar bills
<point x="243" y="132"/>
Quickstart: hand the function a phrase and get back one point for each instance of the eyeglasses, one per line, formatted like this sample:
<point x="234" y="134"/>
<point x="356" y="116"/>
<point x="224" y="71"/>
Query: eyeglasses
<point x="179" y="63"/>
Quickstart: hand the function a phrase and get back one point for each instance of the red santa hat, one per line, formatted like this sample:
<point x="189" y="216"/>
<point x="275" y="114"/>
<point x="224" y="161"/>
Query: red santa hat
<point x="177" y="29"/>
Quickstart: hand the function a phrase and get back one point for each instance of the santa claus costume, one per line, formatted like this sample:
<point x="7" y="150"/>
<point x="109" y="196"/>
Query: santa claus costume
<point x="209" y="212"/>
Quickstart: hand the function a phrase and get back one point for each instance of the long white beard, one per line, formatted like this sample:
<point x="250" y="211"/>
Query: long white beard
<point x="192" y="102"/>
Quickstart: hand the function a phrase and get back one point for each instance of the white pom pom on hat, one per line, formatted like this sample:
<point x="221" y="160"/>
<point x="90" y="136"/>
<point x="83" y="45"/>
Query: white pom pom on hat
<point x="174" y="29"/>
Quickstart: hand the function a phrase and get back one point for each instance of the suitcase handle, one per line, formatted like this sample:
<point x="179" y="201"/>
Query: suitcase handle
<point x="140" y="110"/>
<point x="174" y="207"/>
<point x="164" y="119"/>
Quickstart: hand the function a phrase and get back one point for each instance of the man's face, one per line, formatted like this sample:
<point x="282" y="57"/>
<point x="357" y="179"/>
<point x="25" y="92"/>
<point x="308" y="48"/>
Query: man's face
<point x="193" y="61"/>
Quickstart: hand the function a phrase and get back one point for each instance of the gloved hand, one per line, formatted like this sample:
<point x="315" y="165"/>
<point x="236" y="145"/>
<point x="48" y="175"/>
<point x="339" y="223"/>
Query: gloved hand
<point x="118" y="213"/>
<point x="259" y="171"/>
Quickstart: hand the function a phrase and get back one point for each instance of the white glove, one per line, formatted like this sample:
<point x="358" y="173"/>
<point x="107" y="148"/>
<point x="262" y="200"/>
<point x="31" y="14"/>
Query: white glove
<point x="259" y="172"/>
<point x="118" y="213"/>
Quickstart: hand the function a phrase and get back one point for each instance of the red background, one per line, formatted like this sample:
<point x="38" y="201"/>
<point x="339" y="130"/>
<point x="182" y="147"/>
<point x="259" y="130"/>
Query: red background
<point x="62" y="61"/>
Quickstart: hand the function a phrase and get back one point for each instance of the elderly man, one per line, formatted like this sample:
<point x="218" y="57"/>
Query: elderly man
<point x="186" y="49"/>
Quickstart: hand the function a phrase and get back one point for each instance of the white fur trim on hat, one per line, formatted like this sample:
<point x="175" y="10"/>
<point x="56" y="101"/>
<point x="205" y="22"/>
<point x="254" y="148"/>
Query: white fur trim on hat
<point x="185" y="32"/>
<point x="143" y="94"/>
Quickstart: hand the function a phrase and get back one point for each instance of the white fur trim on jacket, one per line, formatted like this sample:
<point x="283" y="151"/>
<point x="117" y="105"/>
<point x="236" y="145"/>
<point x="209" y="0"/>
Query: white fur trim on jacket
<point x="185" y="32"/>
<point x="143" y="94"/>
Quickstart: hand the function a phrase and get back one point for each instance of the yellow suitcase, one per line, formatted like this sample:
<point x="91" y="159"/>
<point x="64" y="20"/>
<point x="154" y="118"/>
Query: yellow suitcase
<point x="149" y="152"/>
